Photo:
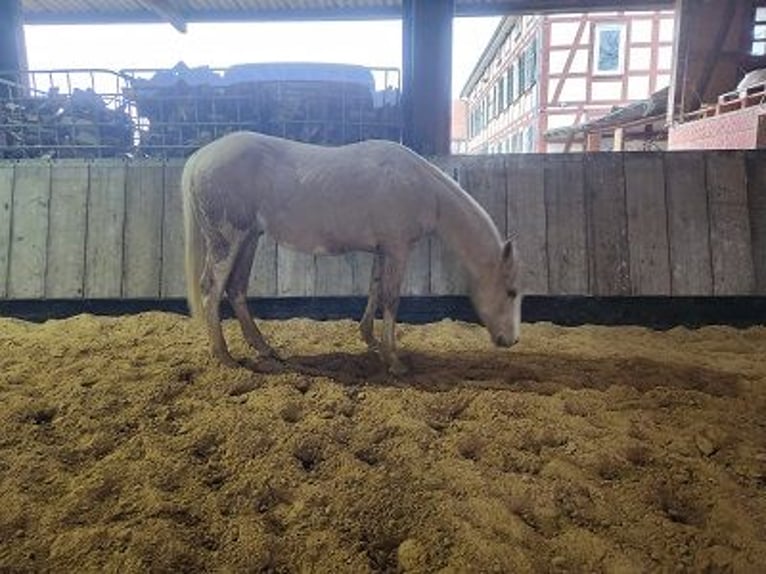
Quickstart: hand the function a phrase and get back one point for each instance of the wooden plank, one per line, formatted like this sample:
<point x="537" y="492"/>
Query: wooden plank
<point x="527" y="218"/>
<point x="106" y="222"/>
<point x="608" y="259"/>
<point x="295" y="273"/>
<point x="689" y="231"/>
<point x="730" y="238"/>
<point x="447" y="276"/>
<point x="263" y="274"/>
<point x="756" y="194"/>
<point x="65" y="269"/>
<point x="6" y="203"/>
<point x="417" y="280"/>
<point x="143" y="229"/>
<point x="565" y="214"/>
<point x="31" y="196"/>
<point x="334" y="275"/>
<point x="173" y="280"/>
<point x="647" y="224"/>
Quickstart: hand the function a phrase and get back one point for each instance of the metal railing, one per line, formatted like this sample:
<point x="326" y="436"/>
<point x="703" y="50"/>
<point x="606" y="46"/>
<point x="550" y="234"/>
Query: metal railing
<point x="170" y="113"/>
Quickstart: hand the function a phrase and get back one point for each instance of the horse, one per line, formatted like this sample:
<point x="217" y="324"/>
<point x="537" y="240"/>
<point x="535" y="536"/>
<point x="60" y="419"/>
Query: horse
<point x="373" y="196"/>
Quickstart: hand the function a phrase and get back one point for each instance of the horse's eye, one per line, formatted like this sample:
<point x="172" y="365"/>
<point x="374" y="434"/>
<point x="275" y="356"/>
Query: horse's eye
<point x="512" y="293"/>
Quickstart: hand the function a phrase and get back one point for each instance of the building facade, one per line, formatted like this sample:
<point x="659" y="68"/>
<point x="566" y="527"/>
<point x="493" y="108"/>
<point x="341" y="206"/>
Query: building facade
<point x="541" y="73"/>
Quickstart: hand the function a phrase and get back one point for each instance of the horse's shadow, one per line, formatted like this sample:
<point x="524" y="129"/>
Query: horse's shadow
<point x="530" y="372"/>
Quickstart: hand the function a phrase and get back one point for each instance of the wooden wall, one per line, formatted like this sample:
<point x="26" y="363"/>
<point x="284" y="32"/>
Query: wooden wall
<point x="686" y="223"/>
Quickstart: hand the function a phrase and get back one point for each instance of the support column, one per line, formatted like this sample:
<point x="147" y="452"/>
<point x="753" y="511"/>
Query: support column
<point x="427" y="75"/>
<point x="13" y="56"/>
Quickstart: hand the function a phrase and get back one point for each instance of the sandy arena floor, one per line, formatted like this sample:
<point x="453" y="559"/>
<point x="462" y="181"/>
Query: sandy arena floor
<point x="124" y="448"/>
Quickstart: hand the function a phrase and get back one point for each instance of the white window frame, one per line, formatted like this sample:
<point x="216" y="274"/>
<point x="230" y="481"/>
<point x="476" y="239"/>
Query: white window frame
<point x="607" y="27"/>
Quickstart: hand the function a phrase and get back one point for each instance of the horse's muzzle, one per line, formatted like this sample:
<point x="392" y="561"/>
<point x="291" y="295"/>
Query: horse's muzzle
<point x="503" y="341"/>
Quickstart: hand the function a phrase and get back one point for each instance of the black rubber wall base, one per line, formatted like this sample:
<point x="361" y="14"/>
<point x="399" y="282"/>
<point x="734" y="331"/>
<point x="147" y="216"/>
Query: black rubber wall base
<point x="655" y="312"/>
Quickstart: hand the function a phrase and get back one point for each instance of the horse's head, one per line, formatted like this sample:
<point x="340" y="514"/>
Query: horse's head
<point x="497" y="298"/>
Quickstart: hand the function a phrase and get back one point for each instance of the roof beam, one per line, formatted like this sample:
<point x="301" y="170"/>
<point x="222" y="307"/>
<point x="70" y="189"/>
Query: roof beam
<point x="162" y="10"/>
<point x="166" y="12"/>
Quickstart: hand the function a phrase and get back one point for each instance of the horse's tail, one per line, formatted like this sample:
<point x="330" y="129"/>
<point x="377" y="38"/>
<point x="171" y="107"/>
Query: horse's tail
<point x="195" y="246"/>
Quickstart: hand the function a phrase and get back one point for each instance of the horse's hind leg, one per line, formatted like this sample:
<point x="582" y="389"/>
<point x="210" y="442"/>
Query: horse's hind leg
<point x="368" y="319"/>
<point x="392" y="275"/>
<point x="236" y="290"/>
<point x="219" y="261"/>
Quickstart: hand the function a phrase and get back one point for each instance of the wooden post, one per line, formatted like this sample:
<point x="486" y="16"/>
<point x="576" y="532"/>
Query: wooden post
<point x="427" y="75"/>
<point x="13" y="55"/>
<point x="618" y="143"/>
<point x="593" y="141"/>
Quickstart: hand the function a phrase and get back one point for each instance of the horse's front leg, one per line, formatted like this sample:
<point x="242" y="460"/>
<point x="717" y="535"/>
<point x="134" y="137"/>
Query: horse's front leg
<point x="368" y="319"/>
<point x="392" y="275"/>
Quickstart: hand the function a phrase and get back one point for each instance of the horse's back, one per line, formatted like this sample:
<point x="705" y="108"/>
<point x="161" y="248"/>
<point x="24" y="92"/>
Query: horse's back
<point x="318" y="198"/>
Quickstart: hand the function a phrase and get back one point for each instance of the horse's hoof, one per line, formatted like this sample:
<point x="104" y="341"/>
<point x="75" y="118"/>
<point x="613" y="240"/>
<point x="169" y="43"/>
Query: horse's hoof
<point x="270" y="365"/>
<point x="229" y="363"/>
<point x="270" y="354"/>
<point x="397" y="369"/>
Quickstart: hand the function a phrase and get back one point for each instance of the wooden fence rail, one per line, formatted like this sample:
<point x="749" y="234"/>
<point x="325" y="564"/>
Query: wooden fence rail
<point x="685" y="223"/>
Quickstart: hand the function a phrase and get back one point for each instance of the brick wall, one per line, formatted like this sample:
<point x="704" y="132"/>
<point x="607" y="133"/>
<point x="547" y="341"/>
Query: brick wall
<point x="733" y="130"/>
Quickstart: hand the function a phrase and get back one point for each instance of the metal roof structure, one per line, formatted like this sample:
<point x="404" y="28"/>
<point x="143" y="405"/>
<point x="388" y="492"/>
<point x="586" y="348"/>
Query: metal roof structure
<point x="179" y="12"/>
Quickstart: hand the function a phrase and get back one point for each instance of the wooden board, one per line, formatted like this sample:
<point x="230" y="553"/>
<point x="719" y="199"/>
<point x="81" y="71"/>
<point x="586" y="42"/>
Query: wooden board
<point x="29" y="239"/>
<point x="730" y="239"/>
<point x="263" y="275"/>
<point x="295" y="273"/>
<point x="565" y="214"/>
<point x="173" y="280"/>
<point x="527" y="219"/>
<point x="647" y="224"/>
<point x="143" y="229"/>
<point x="106" y="226"/>
<point x="756" y="192"/>
<point x="447" y="276"/>
<point x="339" y="275"/>
<point x="6" y="205"/>
<point x="689" y="230"/>
<point x="608" y="258"/>
<point x="417" y="280"/>
<point x="65" y="269"/>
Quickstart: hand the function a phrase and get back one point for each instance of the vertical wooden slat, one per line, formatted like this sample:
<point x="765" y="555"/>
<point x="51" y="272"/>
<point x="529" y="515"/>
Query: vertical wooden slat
<point x="31" y="195"/>
<point x="295" y="273"/>
<point x="417" y="280"/>
<point x="6" y="205"/>
<point x="730" y="238"/>
<point x="647" y="224"/>
<point x="334" y="275"/>
<point x="447" y="275"/>
<point x="756" y="192"/>
<point x="527" y="218"/>
<point x="263" y="275"/>
<point x="565" y="213"/>
<point x="689" y="231"/>
<point x="106" y="221"/>
<point x="172" y="282"/>
<point x="143" y="229"/>
<point x="608" y="258"/>
<point x="65" y="269"/>
<point x="485" y="181"/>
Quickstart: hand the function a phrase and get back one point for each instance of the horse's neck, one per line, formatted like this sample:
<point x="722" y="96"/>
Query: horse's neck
<point x="469" y="232"/>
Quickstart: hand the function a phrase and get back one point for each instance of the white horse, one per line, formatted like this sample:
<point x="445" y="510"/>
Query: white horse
<point x="374" y="196"/>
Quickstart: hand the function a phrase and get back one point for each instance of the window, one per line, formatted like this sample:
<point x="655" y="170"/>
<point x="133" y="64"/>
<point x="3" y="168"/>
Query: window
<point x="522" y="75"/>
<point x="509" y="86"/>
<point x="502" y="95"/>
<point x="759" y="32"/>
<point x="531" y="70"/>
<point x="610" y="48"/>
